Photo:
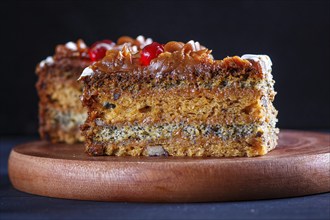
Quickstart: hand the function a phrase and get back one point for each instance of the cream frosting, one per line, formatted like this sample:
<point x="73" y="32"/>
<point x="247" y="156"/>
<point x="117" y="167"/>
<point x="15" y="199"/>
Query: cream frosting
<point x="143" y="41"/>
<point x="264" y="61"/>
<point x="48" y="61"/>
<point x="82" y="45"/>
<point x="195" y="45"/>
<point x="87" y="72"/>
<point x="71" y="45"/>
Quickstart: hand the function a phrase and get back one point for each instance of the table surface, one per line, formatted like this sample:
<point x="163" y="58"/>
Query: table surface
<point x="18" y="205"/>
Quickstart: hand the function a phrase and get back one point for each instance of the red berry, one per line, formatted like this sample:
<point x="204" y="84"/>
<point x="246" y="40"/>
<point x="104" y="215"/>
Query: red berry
<point x="99" y="48"/>
<point x="150" y="52"/>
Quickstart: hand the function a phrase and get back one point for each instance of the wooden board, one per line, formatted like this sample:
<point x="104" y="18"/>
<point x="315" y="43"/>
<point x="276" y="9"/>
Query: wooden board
<point x="298" y="166"/>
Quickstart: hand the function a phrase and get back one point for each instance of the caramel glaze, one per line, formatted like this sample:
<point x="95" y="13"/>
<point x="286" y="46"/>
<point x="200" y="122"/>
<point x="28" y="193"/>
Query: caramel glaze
<point x="62" y="51"/>
<point x="65" y="56"/>
<point x="182" y="64"/>
<point x="65" y="61"/>
<point x="237" y="98"/>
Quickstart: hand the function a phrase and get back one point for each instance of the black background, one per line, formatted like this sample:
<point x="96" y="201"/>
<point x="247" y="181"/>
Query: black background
<point x="295" y="34"/>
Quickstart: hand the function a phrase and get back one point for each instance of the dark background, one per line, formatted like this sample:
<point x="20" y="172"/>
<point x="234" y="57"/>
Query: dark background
<point x="295" y="34"/>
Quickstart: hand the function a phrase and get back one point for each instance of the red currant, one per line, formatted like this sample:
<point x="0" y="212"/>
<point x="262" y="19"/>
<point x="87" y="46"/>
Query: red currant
<point x="99" y="48"/>
<point x="150" y="52"/>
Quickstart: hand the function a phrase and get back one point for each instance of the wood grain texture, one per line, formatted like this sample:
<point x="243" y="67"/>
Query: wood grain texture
<point x="298" y="166"/>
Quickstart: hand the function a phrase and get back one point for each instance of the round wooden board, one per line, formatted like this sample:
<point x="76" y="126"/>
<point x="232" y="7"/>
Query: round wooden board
<point x="298" y="166"/>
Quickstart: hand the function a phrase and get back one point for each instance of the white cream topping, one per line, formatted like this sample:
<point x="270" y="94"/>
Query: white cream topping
<point x="140" y="38"/>
<point x="48" y="61"/>
<point x="134" y="49"/>
<point x="82" y="45"/>
<point x="143" y="42"/>
<point x="87" y="72"/>
<point x="195" y="45"/>
<point x="71" y="45"/>
<point x="264" y="61"/>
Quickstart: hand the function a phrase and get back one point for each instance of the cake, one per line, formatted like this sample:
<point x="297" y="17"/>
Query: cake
<point x="177" y="100"/>
<point x="60" y="109"/>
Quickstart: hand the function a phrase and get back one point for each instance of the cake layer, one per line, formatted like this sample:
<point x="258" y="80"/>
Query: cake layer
<point x="183" y="140"/>
<point x="66" y="120"/>
<point x="64" y="93"/>
<point x="225" y="106"/>
<point x="62" y="126"/>
<point x="155" y="132"/>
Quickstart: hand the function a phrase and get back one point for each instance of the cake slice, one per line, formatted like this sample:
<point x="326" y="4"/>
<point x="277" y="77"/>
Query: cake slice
<point x="176" y="100"/>
<point x="60" y="109"/>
